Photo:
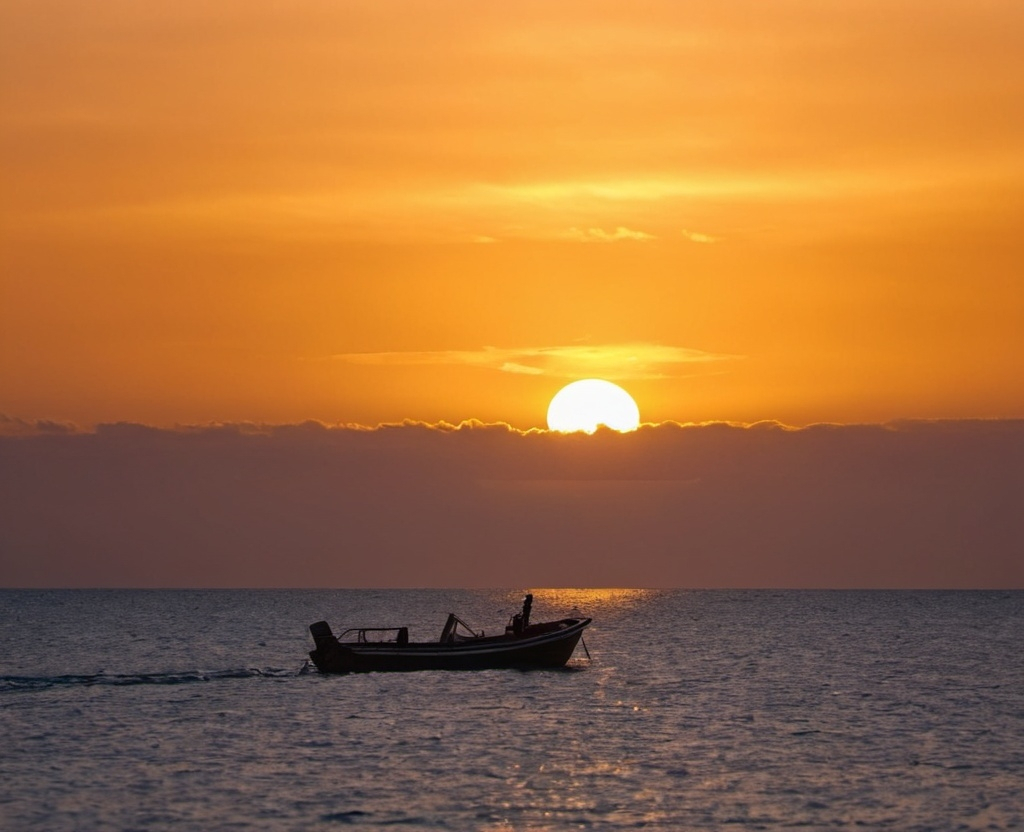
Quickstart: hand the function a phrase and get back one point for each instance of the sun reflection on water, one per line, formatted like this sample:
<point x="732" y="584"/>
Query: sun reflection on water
<point x="590" y="601"/>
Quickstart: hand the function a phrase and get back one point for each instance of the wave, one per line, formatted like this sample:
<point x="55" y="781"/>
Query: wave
<point x="185" y="677"/>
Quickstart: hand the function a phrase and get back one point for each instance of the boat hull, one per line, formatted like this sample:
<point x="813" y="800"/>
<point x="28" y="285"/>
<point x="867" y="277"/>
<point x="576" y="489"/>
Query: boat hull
<point x="541" y="646"/>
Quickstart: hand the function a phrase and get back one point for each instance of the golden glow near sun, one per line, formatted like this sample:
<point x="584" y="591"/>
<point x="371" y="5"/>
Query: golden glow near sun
<point x="585" y="404"/>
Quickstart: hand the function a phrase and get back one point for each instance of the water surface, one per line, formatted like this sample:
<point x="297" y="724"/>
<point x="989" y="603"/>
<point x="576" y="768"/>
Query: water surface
<point x="193" y="710"/>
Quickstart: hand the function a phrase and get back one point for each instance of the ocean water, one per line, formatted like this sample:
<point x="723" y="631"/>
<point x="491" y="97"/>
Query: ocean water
<point x="194" y="710"/>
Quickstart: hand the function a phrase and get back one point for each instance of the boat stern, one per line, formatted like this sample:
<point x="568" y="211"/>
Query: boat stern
<point x="328" y="656"/>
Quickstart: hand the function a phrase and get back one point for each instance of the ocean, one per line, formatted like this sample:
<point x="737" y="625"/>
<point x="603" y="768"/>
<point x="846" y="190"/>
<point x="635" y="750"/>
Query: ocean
<point x="196" y="710"/>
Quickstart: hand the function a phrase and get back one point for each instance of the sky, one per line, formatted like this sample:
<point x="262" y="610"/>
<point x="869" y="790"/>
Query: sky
<point x="257" y="214"/>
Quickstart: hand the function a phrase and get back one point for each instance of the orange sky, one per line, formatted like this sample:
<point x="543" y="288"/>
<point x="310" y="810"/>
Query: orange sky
<point x="365" y="212"/>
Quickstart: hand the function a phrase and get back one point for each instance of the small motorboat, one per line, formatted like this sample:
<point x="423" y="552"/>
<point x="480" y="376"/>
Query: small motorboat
<point x="523" y="645"/>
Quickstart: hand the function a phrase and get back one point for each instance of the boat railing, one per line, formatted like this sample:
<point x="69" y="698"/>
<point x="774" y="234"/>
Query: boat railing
<point x="401" y="634"/>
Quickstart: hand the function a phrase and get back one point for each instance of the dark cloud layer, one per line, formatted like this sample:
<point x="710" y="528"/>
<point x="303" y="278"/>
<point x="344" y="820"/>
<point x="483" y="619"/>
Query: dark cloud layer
<point x="910" y="504"/>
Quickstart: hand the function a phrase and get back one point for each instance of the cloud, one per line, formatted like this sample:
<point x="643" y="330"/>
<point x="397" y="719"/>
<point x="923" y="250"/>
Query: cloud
<point x="909" y="504"/>
<point x="14" y="426"/>
<point x="638" y="360"/>
<point x="698" y="237"/>
<point x="599" y="235"/>
<point x="513" y="367"/>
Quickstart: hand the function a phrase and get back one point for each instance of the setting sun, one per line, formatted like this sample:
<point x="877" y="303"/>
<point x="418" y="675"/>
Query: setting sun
<point x="586" y="404"/>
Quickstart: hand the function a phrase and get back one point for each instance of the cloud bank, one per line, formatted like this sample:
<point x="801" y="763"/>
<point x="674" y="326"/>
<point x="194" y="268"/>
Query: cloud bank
<point x="911" y="504"/>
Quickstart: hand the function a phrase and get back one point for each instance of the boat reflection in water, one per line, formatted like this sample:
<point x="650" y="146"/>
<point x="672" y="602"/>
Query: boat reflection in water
<point x="523" y="645"/>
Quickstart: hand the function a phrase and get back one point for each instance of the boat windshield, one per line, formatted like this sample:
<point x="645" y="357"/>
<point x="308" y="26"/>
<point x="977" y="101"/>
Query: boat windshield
<point x="451" y="632"/>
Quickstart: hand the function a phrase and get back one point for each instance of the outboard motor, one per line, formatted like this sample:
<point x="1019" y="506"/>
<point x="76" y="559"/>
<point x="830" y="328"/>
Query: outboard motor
<point x="322" y="635"/>
<point x="329" y="656"/>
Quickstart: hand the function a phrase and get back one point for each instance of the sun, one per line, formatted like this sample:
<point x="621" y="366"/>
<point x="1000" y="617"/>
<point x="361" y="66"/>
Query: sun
<point x="585" y="404"/>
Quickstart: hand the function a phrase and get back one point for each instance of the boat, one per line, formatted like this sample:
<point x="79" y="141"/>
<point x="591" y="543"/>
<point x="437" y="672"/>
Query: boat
<point x="523" y="645"/>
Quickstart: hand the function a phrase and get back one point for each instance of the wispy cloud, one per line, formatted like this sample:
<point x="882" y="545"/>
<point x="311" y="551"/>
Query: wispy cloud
<point x="599" y="235"/>
<point x="612" y="361"/>
<point x="698" y="237"/>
